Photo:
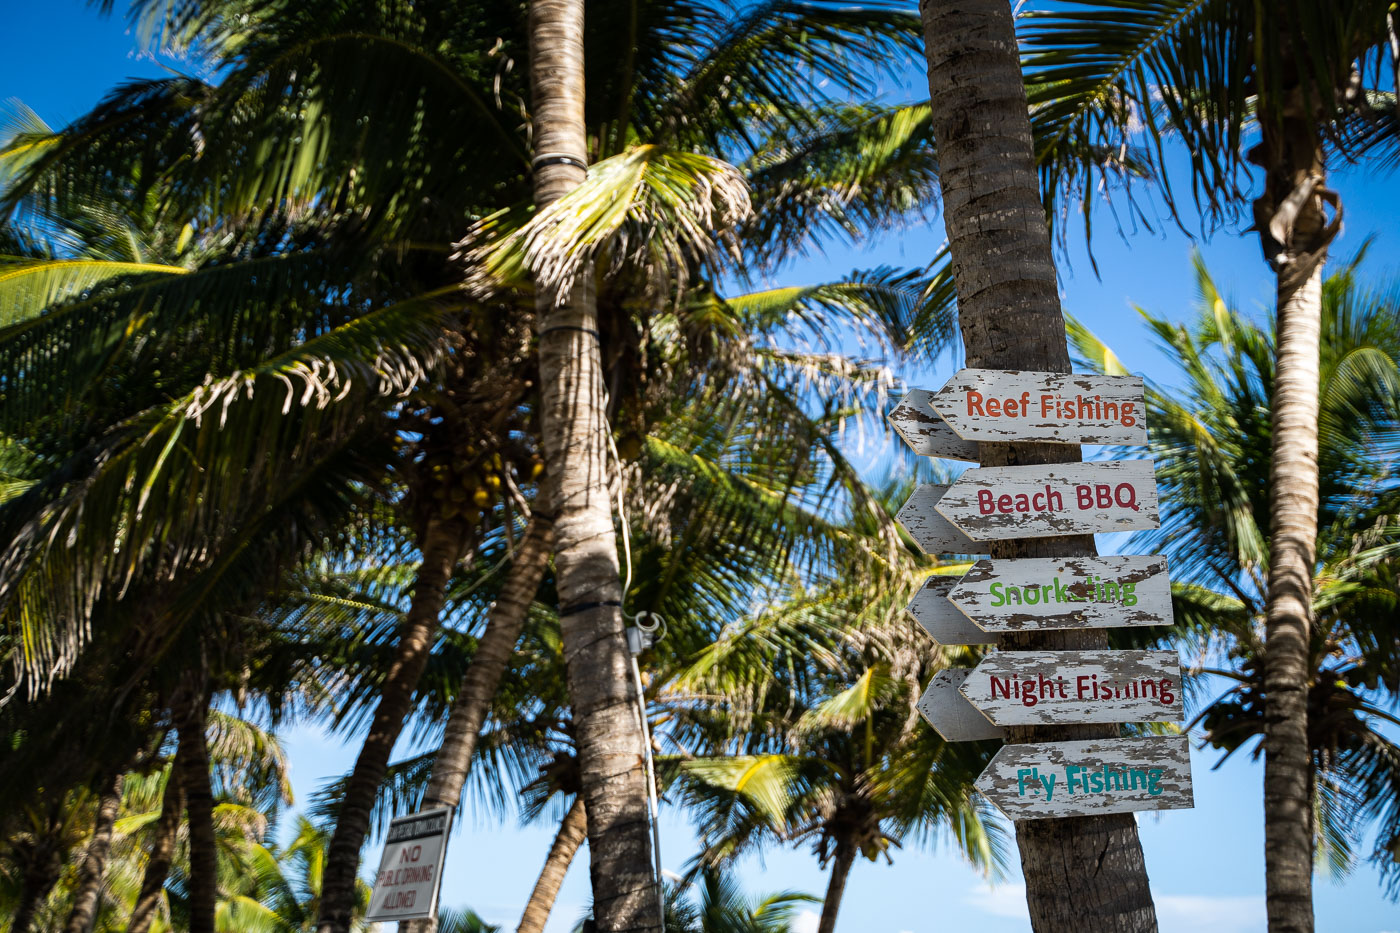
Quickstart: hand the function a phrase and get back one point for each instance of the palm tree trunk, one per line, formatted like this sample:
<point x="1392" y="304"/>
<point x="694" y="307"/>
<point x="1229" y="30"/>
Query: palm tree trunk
<point x="483" y="677"/>
<point x="1293" y="159"/>
<point x="193" y="757"/>
<point x="442" y="545"/>
<point x="89" y="886"/>
<point x="1087" y="872"/>
<point x="574" y="429"/>
<point x="556" y="866"/>
<point x="162" y="851"/>
<point x="836" y="887"/>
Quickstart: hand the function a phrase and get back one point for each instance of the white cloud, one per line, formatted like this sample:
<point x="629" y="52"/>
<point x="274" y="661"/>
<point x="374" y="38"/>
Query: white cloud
<point x="1003" y="900"/>
<point x="1204" y="913"/>
<point x="806" y="922"/>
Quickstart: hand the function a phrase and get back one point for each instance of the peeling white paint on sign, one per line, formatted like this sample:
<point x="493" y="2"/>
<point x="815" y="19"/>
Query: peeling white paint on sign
<point x="1066" y="779"/>
<point x="940" y="618"/>
<point x="1065" y="592"/>
<point x="948" y="711"/>
<point x="994" y="503"/>
<point x="927" y="434"/>
<point x="930" y="530"/>
<point x="1038" y="688"/>
<point x="1001" y="406"/>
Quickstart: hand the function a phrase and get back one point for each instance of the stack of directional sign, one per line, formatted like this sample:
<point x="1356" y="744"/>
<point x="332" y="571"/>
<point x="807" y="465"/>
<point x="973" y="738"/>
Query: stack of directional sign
<point x="1015" y="688"/>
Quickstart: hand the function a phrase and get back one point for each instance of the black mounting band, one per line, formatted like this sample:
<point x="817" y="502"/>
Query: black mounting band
<point x="556" y="158"/>
<point x="584" y="607"/>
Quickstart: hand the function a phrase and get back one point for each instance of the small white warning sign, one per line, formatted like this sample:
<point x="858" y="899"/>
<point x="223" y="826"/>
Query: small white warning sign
<point x="406" y="885"/>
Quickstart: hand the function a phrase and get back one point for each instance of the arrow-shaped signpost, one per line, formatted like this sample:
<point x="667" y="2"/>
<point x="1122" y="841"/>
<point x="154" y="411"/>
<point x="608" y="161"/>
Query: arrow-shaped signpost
<point x="927" y="434"/>
<point x="995" y="503"/>
<point x="948" y="711"/>
<point x="1036" y="688"/>
<point x="1039" y="688"/>
<point x="1064" y="408"/>
<point x="929" y="529"/>
<point x="1064" y="779"/>
<point x="941" y="619"/>
<point x="1065" y="592"/>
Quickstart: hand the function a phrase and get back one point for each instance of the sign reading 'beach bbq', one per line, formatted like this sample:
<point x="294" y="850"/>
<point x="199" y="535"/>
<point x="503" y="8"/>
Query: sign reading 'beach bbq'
<point x="996" y="503"/>
<point x="1038" y="688"/>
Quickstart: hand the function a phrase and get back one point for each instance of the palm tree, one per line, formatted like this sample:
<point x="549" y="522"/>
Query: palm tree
<point x="1212" y="445"/>
<point x="1086" y="871"/>
<point x="1301" y="76"/>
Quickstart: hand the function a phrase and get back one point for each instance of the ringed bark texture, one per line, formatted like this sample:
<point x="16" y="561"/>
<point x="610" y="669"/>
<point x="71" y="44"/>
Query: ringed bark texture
<point x="94" y="867"/>
<point x="556" y="865"/>
<point x="162" y="851"/>
<point x="193" y="756"/>
<point x="836" y="886"/>
<point x="575" y="434"/>
<point x="1293" y="493"/>
<point x="1085" y="873"/>
<point x="442" y="545"/>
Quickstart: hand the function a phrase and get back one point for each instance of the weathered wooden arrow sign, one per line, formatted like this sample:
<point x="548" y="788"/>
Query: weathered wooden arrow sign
<point x="998" y="405"/>
<point x="927" y="434"/>
<point x="1036" y="688"/>
<point x="992" y="503"/>
<point x="1065" y="592"/>
<point x="941" y="619"/>
<point x="930" y="530"/>
<point x="948" y="711"/>
<point x="1064" y="779"/>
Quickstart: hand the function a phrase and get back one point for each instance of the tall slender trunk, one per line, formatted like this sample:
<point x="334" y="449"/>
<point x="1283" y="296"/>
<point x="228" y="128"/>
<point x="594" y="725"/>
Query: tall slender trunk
<point x="836" y="887"/>
<point x="193" y="757"/>
<point x="1086" y="872"/>
<point x="94" y="867"/>
<point x="556" y="866"/>
<point x="442" y="545"/>
<point x="575" y="434"/>
<point x="1296" y="234"/>
<point x="162" y="851"/>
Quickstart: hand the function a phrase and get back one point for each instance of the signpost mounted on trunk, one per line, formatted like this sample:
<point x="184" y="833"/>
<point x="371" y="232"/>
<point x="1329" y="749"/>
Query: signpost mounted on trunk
<point x="1062" y="408"/>
<point x="1065" y="592"/>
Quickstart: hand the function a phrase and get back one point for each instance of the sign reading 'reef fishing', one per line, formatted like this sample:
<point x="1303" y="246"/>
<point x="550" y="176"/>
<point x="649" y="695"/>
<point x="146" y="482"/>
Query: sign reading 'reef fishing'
<point x="1064" y="408"/>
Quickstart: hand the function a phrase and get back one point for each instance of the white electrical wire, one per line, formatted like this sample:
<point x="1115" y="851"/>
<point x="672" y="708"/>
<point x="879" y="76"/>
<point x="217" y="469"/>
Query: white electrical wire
<point x="653" y="804"/>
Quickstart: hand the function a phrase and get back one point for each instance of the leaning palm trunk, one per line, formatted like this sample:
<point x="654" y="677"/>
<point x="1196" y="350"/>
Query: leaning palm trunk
<point x="483" y="677"/>
<point x="556" y="866"/>
<point x="1087" y="872"/>
<point x="162" y="850"/>
<point x="89" y="887"/>
<point x="503" y="626"/>
<point x="836" y="887"/>
<point x="1293" y="227"/>
<point x="442" y="545"/>
<point x="574" y="428"/>
<point x="193" y="757"/>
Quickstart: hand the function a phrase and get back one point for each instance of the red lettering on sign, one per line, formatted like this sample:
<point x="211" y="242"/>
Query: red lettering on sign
<point x="974" y="402"/>
<point x="1084" y="497"/>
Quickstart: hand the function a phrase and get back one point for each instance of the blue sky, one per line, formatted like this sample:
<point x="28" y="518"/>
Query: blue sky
<point x="1206" y="864"/>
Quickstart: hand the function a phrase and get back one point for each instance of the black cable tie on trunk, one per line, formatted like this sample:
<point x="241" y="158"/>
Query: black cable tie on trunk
<point x="557" y="158"/>
<point x="584" y="607"/>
